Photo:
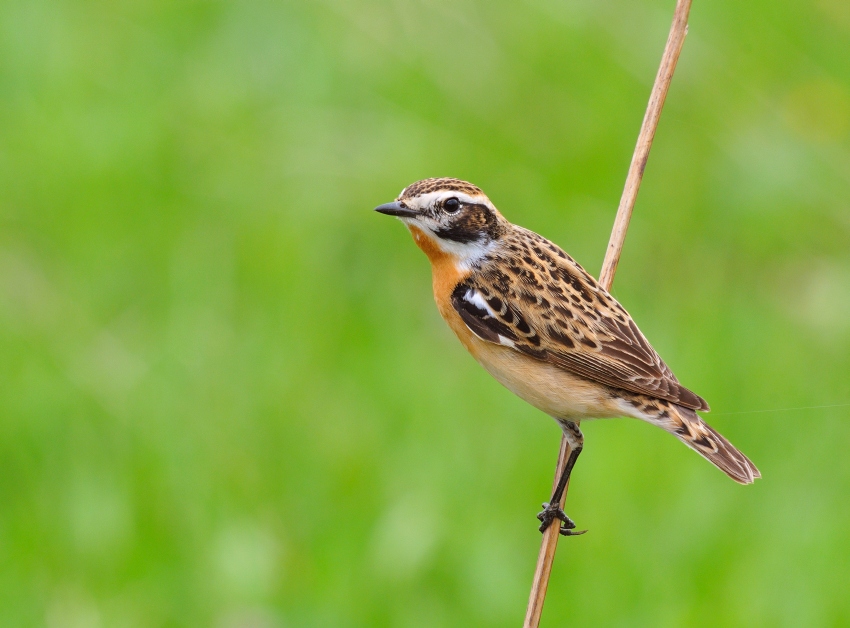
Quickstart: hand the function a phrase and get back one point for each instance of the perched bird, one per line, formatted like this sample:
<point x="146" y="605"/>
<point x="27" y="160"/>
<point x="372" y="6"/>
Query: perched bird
<point x="546" y="330"/>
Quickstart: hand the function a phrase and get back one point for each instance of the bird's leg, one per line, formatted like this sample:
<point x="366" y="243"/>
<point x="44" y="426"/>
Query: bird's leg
<point x="552" y="509"/>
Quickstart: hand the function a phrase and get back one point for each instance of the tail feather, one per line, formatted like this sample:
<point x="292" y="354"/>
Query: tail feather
<point x="689" y="428"/>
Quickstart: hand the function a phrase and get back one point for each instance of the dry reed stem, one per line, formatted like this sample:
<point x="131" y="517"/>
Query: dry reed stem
<point x="678" y="30"/>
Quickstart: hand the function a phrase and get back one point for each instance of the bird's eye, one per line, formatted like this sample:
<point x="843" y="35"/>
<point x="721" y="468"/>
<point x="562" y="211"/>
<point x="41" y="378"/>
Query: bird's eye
<point x="451" y="205"/>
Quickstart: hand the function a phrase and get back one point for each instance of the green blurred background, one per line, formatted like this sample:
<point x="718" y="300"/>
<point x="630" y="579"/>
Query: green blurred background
<point x="226" y="396"/>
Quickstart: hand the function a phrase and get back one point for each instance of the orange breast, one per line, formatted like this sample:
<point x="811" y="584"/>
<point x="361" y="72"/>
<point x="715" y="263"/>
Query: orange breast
<point x="554" y="391"/>
<point x="445" y="276"/>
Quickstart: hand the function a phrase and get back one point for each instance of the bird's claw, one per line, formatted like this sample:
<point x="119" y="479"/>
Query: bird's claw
<point x="550" y="513"/>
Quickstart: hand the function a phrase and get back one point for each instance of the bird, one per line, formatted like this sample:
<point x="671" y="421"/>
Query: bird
<point x="546" y="330"/>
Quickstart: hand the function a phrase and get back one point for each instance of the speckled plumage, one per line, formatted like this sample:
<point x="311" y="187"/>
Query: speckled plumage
<point x="550" y="308"/>
<point x="543" y="327"/>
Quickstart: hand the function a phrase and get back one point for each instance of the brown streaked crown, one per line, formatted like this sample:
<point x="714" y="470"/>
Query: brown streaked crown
<point x="439" y="184"/>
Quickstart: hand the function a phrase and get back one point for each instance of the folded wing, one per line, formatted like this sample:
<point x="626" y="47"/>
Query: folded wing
<point x="539" y="301"/>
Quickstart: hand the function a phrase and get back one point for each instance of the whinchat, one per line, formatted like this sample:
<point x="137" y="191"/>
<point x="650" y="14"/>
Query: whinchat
<point x="546" y="330"/>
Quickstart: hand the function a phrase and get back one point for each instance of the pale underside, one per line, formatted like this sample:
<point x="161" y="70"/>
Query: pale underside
<point x="530" y="298"/>
<point x="559" y="393"/>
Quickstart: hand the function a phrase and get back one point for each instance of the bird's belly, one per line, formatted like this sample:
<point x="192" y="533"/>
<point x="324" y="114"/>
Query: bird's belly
<point x="556" y="392"/>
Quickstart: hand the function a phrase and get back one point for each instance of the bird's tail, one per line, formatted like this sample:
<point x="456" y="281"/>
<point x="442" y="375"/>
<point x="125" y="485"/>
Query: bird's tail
<point x="688" y="427"/>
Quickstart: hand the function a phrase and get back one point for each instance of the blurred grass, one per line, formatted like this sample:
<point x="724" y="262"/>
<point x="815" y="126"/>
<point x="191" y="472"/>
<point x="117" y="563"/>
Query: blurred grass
<point x="226" y="397"/>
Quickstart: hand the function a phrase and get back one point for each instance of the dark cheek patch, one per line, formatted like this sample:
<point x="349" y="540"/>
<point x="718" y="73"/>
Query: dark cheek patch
<point x="456" y="233"/>
<point x="466" y="227"/>
<point x="473" y="223"/>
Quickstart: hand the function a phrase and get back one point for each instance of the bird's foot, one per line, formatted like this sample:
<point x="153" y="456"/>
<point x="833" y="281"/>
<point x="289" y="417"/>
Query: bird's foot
<point x="550" y="513"/>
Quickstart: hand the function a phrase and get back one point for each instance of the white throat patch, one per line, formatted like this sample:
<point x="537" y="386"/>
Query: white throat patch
<point x="466" y="253"/>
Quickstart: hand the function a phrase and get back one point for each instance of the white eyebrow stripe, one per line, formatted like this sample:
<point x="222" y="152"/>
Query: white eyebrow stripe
<point x="425" y="200"/>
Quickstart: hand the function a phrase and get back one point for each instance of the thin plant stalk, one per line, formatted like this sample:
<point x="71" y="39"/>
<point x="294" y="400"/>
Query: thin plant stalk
<point x="678" y="30"/>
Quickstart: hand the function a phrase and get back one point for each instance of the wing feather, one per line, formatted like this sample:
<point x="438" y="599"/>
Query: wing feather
<point x="549" y="308"/>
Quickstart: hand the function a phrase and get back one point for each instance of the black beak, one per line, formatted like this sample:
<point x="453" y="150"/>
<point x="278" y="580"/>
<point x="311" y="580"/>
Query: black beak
<point x="396" y="209"/>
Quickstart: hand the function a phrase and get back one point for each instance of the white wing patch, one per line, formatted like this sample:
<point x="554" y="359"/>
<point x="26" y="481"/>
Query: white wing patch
<point x="474" y="297"/>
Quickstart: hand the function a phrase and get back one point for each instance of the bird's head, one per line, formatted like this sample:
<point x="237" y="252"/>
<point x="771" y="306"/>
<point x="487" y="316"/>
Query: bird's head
<point x="448" y="217"/>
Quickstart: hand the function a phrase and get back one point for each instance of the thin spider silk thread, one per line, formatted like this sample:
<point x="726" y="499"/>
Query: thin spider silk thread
<point x="837" y="405"/>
